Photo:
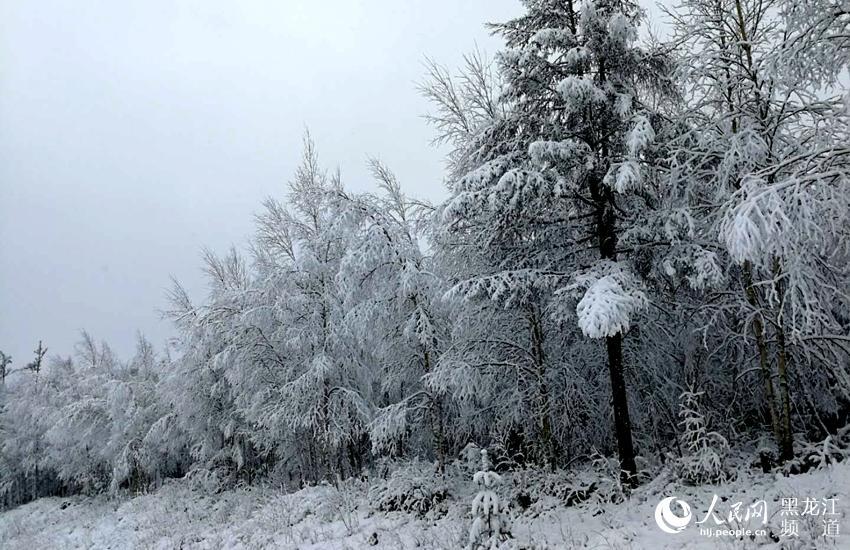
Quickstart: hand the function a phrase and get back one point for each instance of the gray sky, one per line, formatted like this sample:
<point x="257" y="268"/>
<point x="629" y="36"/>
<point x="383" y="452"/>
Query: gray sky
<point x="133" y="133"/>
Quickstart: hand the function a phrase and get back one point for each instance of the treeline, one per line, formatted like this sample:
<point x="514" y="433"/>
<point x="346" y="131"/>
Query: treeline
<point x="628" y="222"/>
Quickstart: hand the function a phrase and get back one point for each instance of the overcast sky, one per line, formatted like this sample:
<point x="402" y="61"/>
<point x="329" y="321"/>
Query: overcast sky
<point x="134" y="132"/>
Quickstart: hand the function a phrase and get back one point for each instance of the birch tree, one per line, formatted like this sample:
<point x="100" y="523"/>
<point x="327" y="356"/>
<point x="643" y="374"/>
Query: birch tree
<point x="772" y="154"/>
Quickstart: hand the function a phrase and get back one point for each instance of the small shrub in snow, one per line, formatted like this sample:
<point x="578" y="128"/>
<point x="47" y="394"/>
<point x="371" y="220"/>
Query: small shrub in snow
<point x="704" y="450"/>
<point x="608" y="486"/>
<point x="529" y="486"/>
<point x="345" y="501"/>
<point x="767" y="453"/>
<point x="522" y="488"/>
<point x="415" y="488"/>
<point x="834" y="448"/>
<point x="470" y="458"/>
<point x="491" y="523"/>
<point x="207" y="480"/>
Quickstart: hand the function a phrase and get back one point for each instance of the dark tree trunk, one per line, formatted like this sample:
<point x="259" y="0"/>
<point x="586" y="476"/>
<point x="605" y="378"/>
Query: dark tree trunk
<point x="622" y="421"/>
<point x="606" y="232"/>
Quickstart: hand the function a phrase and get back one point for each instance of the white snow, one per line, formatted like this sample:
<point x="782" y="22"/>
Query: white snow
<point x="324" y="518"/>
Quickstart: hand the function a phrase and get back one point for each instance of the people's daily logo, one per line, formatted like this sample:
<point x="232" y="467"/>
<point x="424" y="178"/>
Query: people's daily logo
<point x="735" y="518"/>
<point x="668" y="520"/>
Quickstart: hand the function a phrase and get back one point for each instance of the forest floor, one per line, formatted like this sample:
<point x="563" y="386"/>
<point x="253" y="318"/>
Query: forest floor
<point x="180" y="515"/>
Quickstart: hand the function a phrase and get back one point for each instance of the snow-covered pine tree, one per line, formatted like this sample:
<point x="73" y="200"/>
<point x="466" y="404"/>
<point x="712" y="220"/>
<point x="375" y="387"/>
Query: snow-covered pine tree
<point x="491" y="524"/>
<point x="35" y="364"/>
<point x="505" y="347"/>
<point x="27" y="405"/>
<point x="486" y="259"/>
<point x="567" y="168"/>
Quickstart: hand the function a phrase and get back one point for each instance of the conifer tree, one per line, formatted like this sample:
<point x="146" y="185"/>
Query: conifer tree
<point x="490" y="525"/>
<point x="566" y="172"/>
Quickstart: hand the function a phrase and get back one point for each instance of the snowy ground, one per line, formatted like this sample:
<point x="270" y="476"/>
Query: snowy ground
<point x="178" y="516"/>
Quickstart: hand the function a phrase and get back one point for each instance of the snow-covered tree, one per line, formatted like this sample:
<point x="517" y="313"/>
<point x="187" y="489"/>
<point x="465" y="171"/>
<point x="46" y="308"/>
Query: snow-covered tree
<point x="75" y="424"/>
<point x="5" y="361"/>
<point x="562" y="174"/>
<point x="322" y="395"/>
<point x="133" y="407"/>
<point x="702" y="461"/>
<point x="766" y="165"/>
<point x="624" y="222"/>
<point x="392" y="310"/>
<point x="200" y="400"/>
<point x="35" y="364"/>
<point x="491" y="525"/>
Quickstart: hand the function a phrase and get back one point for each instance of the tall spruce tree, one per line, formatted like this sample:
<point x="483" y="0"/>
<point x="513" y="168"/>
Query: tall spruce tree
<point x="566" y="171"/>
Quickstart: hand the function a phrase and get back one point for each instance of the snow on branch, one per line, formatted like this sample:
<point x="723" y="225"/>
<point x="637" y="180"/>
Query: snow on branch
<point x="612" y="295"/>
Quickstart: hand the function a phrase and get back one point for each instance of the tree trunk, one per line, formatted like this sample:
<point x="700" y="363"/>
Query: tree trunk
<point x="439" y="434"/>
<point x="606" y="231"/>
<point x="786" y="442"/>
<point x="544" y="413"/>
<point x="786" y="432"/>
<point x="761" y="345"/>
<point x="436" y="414"/>
<point x="622" y="421"/>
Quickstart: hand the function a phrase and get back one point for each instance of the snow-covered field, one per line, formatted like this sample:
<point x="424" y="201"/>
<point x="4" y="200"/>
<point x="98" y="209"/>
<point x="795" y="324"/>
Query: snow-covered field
<point x="180" y="516"/>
